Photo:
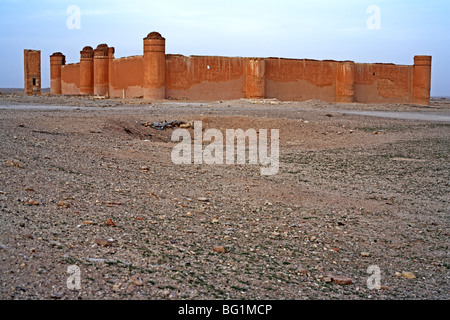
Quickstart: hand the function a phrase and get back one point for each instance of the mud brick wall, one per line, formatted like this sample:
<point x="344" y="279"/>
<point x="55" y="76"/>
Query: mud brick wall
<point x="205" y="78"/>
<point x="156" y="75"/>
<point x="126" y="77"/>
<point x="70" y="79"/>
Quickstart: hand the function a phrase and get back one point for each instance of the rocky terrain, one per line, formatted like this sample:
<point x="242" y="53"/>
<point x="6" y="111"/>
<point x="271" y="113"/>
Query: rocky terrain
<point x="84" y="183"/>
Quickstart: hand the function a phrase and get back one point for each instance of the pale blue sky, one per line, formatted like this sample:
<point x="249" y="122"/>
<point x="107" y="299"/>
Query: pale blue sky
<point x="320" y="29"/>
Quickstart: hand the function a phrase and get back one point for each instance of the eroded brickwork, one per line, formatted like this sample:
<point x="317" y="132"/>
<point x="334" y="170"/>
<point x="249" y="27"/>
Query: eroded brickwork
<point x="32" y="66"/>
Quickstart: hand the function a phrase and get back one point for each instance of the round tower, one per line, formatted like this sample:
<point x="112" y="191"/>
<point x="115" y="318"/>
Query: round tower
<point x="87" y="71"/>
<point x="422" y="80"/>
<point x="154" y="67"/>
<point x="57" y="60"/>
<point x="101" y="70"/>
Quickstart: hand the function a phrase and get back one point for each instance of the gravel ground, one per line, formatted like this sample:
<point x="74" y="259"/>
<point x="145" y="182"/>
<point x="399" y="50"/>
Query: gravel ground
<point x="352" y="192"/>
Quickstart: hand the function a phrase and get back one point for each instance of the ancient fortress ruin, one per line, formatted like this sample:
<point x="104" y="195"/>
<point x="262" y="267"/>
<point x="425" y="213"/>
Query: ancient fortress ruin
<point x="157" y="75"/>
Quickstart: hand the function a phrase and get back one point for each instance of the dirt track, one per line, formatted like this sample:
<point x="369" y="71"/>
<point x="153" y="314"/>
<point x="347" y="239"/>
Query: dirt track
<point x="352" y="191"/>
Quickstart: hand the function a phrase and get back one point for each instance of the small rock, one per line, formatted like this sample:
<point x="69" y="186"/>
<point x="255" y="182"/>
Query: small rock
<point x="111" y="223"/>
<point x="32" y="202"/>
<point x="203" y="199"/>
<point x="104" y="242"/>
<point x="137" y="281"/>
<point x="398" y="274"/>
<point x="408" y="275"/>
<point x="220" y="249"/>
<point x="340" y="279"/>
<point x="276" y="234"/>
<point x="88" y="222"/>
<point x="54" y="243"/>
<point x="302" y="270"/>
<point x="63" y="204"/>
<point x="365" y="254"/>
<point x="117" y="287"/>
<point x="56" y="296"/>
<point x="130" y="288"/>
<point x="13" y="163"/>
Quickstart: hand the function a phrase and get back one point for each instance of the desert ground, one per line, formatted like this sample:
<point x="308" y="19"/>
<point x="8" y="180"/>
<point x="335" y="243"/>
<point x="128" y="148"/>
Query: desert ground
<point x="84" y="183"/>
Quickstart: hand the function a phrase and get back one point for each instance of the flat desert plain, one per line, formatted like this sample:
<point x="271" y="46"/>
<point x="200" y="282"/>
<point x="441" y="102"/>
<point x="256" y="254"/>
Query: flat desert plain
<point x="359" y="208"/>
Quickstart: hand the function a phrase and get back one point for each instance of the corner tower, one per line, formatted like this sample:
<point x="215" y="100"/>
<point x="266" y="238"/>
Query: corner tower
<point x="422" y="80"/>
<point x="32" y="66"/>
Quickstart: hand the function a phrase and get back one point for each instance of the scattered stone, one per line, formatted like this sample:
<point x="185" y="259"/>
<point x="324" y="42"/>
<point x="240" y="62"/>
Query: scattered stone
<point x="408" y="275"/>
<point x="220" y="249"/>
<point x="104" y="242"/>
<point x="398" y="274"/>
<point x="185" y="125"/>
<point x="63" y="204"/>
<point x="302" y="270"/>
<point x="13" y="163"/>
<point x="137" y="281"/>
<point x="111" y="223"/>
<point x="203" y="199"/>
<point x="95" y="260"/>
<point x="88" y="222"/>
<point x="276" y="234"/>
<point x="117" y="287"/>
<point x="113" y="203"/>
<point x="130" y="288"/>
<point x="56" y="296"/>
<point x="365" y="254"/>
<point x="32" y="202"/>
<point x="54" y="243"/>
<point x="339" y="279"/>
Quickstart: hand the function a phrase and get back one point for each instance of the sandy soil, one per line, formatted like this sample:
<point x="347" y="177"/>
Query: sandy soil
<point x="352" y="192"/>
